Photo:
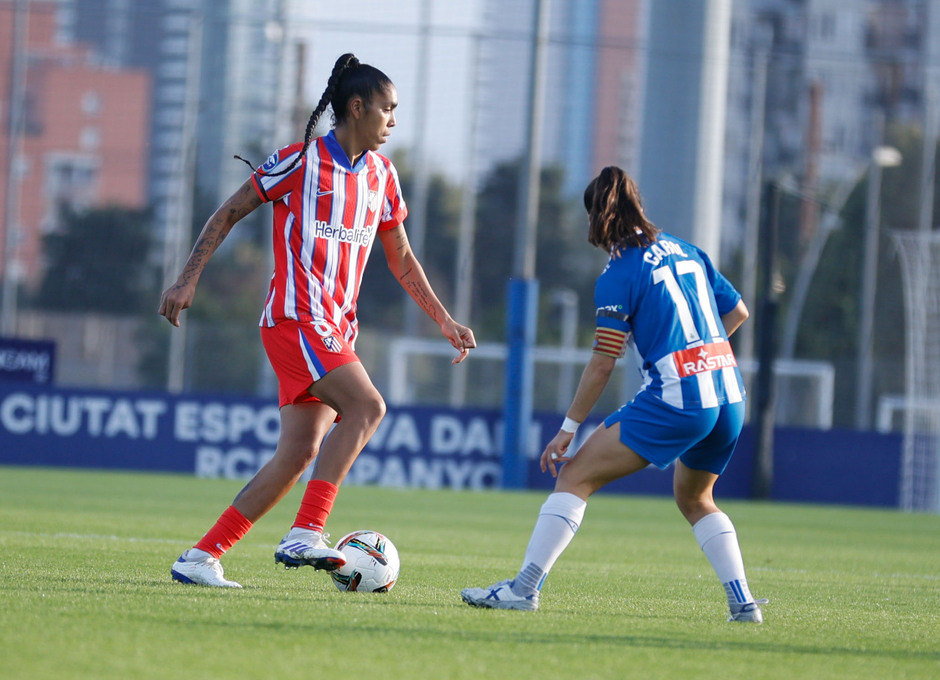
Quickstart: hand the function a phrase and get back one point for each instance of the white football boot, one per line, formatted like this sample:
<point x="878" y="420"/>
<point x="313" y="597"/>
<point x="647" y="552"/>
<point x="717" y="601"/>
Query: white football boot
<point x="500" y="596"/>
<point x="201" y="569"/>
<point x="303" y="547"/>
<point x="748" y="613"/>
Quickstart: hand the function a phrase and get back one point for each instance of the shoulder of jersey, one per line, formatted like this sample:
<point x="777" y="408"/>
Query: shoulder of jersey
<point x="276" y="157"/>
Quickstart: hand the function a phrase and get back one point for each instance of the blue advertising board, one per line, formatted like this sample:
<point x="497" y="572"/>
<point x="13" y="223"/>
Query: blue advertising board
<point x="228" y="437"/>
<point x="436" y="448"/>
<point x="29" y="361"/>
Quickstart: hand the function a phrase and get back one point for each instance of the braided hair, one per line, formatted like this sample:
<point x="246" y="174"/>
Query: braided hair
<point x="349" y="78"/>
<point x="615" y="212"/>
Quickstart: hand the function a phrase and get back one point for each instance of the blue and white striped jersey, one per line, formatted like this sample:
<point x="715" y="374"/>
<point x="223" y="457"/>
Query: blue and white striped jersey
<point x="670" y="297"/>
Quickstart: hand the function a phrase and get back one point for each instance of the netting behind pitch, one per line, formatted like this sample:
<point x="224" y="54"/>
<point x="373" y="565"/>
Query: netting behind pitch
<point x="920" y="471"/>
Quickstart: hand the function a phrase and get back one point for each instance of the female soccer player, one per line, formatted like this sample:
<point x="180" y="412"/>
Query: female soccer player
<point x="331" y="196"/>
<point x="662" y="297"/>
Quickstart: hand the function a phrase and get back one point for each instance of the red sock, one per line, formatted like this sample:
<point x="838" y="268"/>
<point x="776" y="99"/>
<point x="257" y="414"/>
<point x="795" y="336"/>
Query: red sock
<point x="316" y="505"/>
<point x="226" y="532"/>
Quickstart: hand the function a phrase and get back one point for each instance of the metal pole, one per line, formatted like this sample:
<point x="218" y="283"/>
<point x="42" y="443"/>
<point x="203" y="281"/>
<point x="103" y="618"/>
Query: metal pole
<point x="767" y="341"/>
<point x="755" y="180"/>
<point x="567" y="299"/>
<point x="179" y="223"/>
<point x="528" y="200"/>
<point x="293" y="110"/>
<point x="931" y="102"/>
<point x="810" y="261"/>
<point x="521" y="309"/>
<point x="523" y="287"/>
<point x="710" y="130"/>
<point x="928" y="167"/>
<point x="418" y="203"/>
<point x="809" y="204"/>
<point x="14" y="162"/>
<point x="869" y="284"/>
<point x="463" y="280"/>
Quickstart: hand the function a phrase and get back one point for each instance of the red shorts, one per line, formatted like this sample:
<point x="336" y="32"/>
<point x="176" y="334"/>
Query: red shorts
<point x="301" y="353"/>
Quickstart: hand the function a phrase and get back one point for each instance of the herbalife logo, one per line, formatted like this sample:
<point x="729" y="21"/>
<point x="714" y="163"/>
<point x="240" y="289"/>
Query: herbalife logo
<point x="337" y="232"/>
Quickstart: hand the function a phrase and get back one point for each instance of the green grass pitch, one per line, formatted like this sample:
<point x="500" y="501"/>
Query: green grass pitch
<point x="85" y="589"/>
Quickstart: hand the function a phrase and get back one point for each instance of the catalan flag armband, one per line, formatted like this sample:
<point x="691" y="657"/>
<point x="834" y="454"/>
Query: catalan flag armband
<point x="610" y="342"/>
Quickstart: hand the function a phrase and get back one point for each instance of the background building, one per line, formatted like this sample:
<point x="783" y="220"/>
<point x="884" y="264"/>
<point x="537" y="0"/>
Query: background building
<point x="217" y="69"/>
<point x="83" y="139"/>
<point x="594" y="90"/>
<point x="788" y="91"/>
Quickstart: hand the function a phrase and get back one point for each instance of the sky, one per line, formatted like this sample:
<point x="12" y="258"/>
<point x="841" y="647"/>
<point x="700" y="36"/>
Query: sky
<point x="387" y="36"/>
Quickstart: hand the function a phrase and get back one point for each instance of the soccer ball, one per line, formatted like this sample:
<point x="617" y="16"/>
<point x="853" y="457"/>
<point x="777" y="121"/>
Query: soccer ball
<point x="372" y="563"/>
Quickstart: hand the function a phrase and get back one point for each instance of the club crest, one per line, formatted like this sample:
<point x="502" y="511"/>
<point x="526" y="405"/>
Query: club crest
<point x="271" y="163"/>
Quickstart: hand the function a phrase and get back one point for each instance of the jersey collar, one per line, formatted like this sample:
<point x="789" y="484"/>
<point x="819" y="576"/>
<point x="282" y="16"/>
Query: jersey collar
<point x="340" y="157"/>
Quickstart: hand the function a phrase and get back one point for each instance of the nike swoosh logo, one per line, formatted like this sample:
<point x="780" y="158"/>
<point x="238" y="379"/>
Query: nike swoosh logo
<point x="323" y="193"/>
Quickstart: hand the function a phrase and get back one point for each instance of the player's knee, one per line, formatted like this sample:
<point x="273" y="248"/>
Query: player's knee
<point x="695" y="506"/>
<point x="293" y="456"/>
<point x="572" y="480"/>
<point x="309" y="454"/>
<point x="372" y="410"/>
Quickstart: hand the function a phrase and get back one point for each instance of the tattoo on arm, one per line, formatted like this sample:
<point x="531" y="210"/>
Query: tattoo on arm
<point x="402" y="243"/>
<point x="420" y="293"/>
<point x="411" y="276"/>
<point x="242" y="203"/>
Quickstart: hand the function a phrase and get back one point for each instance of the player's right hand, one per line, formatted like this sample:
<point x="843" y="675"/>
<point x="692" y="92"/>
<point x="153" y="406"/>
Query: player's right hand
<point x="556" y="452"/>
<point x="175" y="299"/>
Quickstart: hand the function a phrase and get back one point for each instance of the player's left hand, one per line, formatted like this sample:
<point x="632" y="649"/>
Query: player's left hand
<point x="461" y="337"/>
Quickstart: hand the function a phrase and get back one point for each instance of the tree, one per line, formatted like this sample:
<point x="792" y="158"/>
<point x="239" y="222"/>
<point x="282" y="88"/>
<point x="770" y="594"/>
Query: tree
<point x="226" y="350"/>
<point x="98" y="262"/>
<point x="829" y="327"/>
<point x="223" y="351"/>
<point x="564" y="259"/>
<point x="382" y="299"/>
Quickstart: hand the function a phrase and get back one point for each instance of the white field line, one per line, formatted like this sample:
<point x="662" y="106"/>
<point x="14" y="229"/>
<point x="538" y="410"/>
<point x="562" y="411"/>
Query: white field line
<point x="184" y="542"/>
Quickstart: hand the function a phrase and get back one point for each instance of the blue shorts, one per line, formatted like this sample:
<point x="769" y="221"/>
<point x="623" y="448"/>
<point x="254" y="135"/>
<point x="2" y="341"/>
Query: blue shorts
<point x="703" y="439"/>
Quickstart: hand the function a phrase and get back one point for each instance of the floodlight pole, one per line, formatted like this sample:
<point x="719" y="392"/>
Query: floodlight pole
<point x="755" y="182"/>
<point x="523" y="286"/>
<point x="882" y="157"/>
<point x="928" y="168"/>
<point x="14" y="163"/>
<point x="764" y="417"/>
<point x="179" y="223"/>
<point x="466" y="231"/>
<point x="418" y="203"/>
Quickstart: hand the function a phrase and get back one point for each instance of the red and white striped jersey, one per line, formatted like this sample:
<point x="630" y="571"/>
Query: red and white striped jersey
<point x="326" y="215"/>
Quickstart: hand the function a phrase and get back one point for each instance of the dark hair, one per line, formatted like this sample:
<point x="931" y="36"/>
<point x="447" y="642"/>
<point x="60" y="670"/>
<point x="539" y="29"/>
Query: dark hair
<point x="348" y="79"/>
<point x="358" y="79"/>
<point x="615" y="212"/>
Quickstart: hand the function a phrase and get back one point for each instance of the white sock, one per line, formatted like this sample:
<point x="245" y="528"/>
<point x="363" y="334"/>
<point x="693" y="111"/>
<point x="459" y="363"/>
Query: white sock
<point x="558" y="521"/>
<point x="196" y="555"/>
<point x="719" y="541"/>
<point x="301" y="532"/>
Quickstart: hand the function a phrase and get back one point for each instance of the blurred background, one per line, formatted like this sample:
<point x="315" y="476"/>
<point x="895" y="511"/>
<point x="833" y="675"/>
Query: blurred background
<point x="795" y="140"/>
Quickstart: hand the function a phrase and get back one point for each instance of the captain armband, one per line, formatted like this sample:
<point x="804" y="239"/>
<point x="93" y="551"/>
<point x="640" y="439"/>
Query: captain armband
<point x="610" y="342"/>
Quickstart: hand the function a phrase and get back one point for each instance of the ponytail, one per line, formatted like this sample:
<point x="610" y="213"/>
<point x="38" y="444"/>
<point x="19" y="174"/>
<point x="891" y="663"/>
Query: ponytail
<point x="347" y="61"/>
<point x="615" y="212"/>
